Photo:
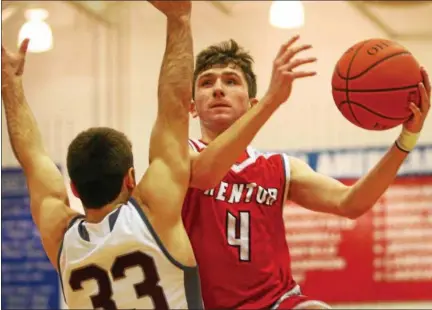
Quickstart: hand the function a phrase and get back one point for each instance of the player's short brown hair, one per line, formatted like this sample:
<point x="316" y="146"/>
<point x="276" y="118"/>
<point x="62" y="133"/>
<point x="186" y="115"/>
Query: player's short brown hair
<point x="97" y="161"/>
<point x="226" y="53"/>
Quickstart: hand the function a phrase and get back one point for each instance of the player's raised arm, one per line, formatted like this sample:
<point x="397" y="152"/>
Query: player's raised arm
<point x="165" y="183"/>
<point x="212" y="164"/>
<point x="322" y="193"/>
<point x="48" y="197"/>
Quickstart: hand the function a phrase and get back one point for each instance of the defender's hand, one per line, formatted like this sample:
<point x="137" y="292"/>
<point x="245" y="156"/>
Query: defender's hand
<point x="283" y="75"/>
<point x="12" y="67"/>
<point x="415" y="123"/>
<point x="13" y="63"/>
<point x="173" y="9"/>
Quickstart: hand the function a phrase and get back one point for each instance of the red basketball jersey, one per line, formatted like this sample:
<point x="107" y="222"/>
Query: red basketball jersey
<point x="238" y="235"/>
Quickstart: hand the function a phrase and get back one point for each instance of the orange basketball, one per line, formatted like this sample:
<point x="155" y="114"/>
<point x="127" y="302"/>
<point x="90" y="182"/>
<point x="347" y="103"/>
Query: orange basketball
<point x="373" y="83"/>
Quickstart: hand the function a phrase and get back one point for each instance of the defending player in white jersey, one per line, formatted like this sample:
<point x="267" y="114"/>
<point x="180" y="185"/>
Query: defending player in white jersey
<point x="130" y="250"/>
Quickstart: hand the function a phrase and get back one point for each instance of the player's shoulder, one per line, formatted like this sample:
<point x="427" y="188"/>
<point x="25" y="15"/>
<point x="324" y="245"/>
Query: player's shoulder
<point x="128" y="212"/>
<point x="271" y="161"/>
<point x="258" y="152"/>
<point x="266" y="156"/>
<point x="72" y="224"/>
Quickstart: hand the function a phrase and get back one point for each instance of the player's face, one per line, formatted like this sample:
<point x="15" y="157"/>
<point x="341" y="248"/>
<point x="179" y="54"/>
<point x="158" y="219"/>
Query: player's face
<point x="221" y="97"/>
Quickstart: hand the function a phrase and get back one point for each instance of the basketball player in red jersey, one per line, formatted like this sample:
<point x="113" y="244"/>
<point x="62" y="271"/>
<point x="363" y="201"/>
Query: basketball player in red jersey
<point x="236" y="226"/>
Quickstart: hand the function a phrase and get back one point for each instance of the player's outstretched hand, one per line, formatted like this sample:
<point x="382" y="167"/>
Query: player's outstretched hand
<point x="173" y="9"/>
<point x="287" y="67"/>
<point x="415" y="123"/>
<point x="12" y="64"/>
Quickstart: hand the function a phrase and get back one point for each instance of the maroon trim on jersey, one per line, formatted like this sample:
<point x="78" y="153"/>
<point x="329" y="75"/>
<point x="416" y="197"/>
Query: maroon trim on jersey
<point x="71" y="223"/>
<point x="285" y="175"/>
<point x="195" y="145"/>
<point x="153" y="232"/>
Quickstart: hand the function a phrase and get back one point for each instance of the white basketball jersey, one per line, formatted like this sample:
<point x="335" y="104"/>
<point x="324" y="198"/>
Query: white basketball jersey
<point x="121" y="263"/>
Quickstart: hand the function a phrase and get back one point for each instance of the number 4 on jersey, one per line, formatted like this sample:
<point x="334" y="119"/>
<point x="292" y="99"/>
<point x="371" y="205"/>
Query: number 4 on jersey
<point x="238" y="233"/>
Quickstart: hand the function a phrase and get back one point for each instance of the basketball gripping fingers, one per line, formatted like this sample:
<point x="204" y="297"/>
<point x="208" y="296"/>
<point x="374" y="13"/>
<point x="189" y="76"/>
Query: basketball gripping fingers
<point x="407" y="140"/>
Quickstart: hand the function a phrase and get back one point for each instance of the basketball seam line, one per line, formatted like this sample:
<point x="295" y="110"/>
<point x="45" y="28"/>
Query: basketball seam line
<point x="376" y="89"/>
<point x="347" y="81"/>
<point x="370" y="67"/>
<point x="377" y="63"/>
<point x="372" y="111"/>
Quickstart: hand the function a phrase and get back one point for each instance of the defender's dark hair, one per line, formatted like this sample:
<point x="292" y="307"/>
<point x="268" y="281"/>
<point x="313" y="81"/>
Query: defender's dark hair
<point x="97" y="162"/>
<point x="225" y="53"/>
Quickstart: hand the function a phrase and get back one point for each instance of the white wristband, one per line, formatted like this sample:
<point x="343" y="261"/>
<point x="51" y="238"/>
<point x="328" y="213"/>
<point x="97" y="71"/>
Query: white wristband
<point x="407" y="140"/>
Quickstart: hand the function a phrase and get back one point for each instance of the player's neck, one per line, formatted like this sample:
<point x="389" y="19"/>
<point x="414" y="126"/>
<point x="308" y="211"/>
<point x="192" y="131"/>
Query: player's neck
<point x="97" y="215"/>
<point x="208" y="135"/>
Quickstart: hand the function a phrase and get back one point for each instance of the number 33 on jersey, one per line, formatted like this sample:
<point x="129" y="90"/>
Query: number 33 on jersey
<point x="121" y="263"/>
